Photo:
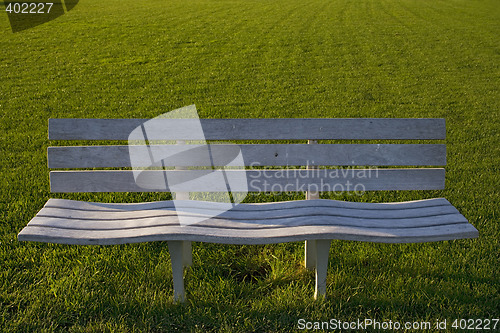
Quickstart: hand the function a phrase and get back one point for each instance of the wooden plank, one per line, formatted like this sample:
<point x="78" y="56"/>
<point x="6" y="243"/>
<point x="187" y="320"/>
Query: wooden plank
<point x="253" y="129"/>
<point x="253" y="155"/>
<point x="260" y="236"/>
<point x="169" y="221"/>
<point x="273" y="215"/>
<point x="263" y="206"/>
<point x="293" y="180"/>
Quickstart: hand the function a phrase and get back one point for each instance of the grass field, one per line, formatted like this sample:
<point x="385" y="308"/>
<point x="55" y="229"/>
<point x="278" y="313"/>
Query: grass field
<point x="254" y="58"/>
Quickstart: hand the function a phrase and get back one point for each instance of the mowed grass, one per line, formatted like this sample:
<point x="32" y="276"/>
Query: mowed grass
<point x="251" y="59"/>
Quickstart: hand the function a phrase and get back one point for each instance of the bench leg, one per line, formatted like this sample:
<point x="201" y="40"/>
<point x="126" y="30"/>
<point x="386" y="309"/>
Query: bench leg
<point x="187" y="253"/>
<point x="322" y="251"/>
<point x="176" y="249"/>
<point x="310" y="254"/>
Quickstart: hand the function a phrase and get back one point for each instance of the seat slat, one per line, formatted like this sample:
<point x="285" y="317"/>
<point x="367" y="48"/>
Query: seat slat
<point x="254" y="129"/>
<point x="238" y="236"/>
<point x="262" y="206"/>
<point x="265" y="223"/>
<point x="293" y="180"/>
<point x="253" y="154"/>
<point x="241" y="214"/>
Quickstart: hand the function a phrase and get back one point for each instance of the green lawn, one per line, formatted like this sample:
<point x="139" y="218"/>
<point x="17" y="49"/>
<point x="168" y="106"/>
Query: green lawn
<point x="249" y="59"/>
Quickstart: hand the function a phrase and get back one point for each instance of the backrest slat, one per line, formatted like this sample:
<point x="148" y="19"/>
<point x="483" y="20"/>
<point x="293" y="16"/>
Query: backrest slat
<point x="292" y="180"/>
<point x="256" y="155"/>
<point x="255" y="129"/>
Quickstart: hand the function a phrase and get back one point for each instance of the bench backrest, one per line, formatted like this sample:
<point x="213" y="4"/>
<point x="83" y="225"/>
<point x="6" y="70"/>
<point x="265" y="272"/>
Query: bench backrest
<point x="419" y="159"/>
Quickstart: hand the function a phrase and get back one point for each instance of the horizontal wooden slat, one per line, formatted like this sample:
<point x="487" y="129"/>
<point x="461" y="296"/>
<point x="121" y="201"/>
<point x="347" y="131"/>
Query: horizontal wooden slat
<point x="255" y="219"/>
<point x="253" y="155"/>
<point x="252" y="129"/>
<point x="261" y="236"/>
<point x="168" y="221"/>
<point x="257" y="180"/>
<point x="262" y="206"/>
<point x="268" y="212"/>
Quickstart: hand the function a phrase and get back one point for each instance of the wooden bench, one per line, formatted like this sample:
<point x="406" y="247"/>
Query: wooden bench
<point x="314" y="221"/>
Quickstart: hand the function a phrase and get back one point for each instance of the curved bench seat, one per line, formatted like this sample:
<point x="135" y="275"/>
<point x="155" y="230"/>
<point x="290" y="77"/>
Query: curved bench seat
<point x="86" y="223"/>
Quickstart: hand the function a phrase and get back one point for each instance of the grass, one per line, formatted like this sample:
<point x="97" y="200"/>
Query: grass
<point x="235" y="58"/>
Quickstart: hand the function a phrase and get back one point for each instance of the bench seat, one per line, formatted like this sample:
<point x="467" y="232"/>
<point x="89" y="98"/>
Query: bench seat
<point x="91" y="223"/>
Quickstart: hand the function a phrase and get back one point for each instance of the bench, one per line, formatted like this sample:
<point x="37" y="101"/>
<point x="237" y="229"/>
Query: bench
<point x="309" y="166"/>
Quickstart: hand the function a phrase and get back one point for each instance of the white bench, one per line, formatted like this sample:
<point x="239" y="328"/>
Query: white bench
<point x="314" y="221"/>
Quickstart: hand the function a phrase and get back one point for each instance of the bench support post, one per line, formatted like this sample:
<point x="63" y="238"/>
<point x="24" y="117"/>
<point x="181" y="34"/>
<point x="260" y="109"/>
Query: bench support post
<point x="176" y="249"/>
<point x="322" y="251"/>
<point x="310" y="246"/>
<point x="187" y="254"/>
<point x="310" y="254"/>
